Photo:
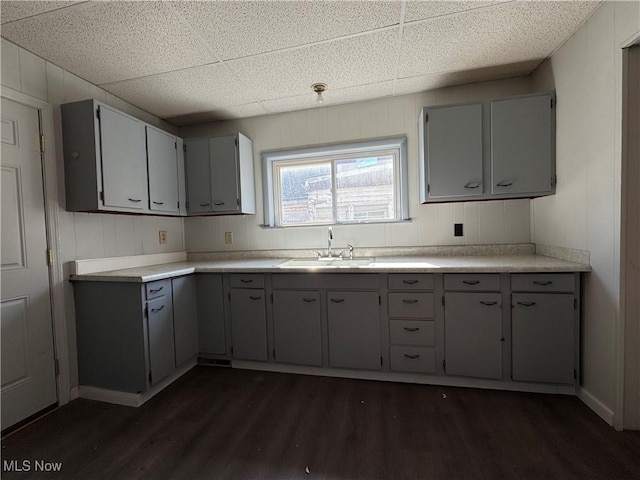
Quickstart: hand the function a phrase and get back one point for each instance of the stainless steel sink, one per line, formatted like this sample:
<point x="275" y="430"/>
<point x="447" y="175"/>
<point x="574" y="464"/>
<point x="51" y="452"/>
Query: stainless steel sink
<point x="313" y="263"/>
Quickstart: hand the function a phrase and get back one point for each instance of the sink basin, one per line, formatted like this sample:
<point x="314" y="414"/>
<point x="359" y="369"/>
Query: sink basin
<point x="325" y="263"/>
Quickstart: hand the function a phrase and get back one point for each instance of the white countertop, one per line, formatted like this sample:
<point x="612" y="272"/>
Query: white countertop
<point x="400" y="264"/>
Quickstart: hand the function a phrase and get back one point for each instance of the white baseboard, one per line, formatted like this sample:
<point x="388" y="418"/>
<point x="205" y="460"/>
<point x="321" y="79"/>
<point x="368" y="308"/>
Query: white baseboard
<point x="596" y="405"/>
<point x="74" y="393"/>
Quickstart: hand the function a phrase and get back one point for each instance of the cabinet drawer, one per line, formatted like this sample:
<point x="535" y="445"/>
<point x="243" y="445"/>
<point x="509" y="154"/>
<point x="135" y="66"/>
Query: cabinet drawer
<point x="412" y="332"/>
<point x="413" y="359"/>
<point x="411" y="305"/>
<point x="398" y="281"/>
<point x="157" y="289"/>
<point x="469" y="282"/>
<point x="543" y="282"/>
<point x="249" y="280"/>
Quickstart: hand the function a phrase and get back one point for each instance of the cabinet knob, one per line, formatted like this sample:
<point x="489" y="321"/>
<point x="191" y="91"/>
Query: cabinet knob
<point x="246" y="280"/>
<point x="410" y="282"/>
<point x="218" y="203"/>
<point x="472" y="185"/>
<point x="337" y="300"/>
<point x="527" y="304"/>
<point x="471" y="282"/>
<point x="155" y="290"/>
<point x="412" y="357"/>
<point x="205" y="204"/>
<point x="410" y="329"/>
<point x="158" y="203"/>
<point x="410" y="300"/>
<point x="309" y="300"/>
<point x="155" y="310"/>
<point x="504" y="183"/>
<point x="255" y="298"/>
<point x="135" y="200"/>
<point x="543" y="283"/>
<point x="488" y="304"/>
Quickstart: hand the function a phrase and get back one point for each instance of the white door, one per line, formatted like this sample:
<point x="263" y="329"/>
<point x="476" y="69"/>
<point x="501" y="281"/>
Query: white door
<point x="28" y="374"/>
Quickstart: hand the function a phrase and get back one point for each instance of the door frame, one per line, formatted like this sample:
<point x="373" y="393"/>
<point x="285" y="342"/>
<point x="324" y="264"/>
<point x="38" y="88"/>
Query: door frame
<point x="51" y="208"/>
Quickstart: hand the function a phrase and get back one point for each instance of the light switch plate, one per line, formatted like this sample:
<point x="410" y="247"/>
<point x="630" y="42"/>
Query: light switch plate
<point x="162" y="237"/>
<point x="228" y="238"/>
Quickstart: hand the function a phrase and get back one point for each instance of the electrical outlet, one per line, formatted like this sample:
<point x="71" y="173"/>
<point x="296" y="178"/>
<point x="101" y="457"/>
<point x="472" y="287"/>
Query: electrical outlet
<point x="228" y="238"/>
<point x="162" y="236"/>
<point x="457" y="230"/>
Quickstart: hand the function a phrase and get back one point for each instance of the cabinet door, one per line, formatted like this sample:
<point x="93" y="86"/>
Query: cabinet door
<point x="124" y="169"/>
<point x="543" y="337"/>
<point x="473" y="334"/>
<point x="521" y="145"/>
<point x="162" y="163"/>
<point x="296" y="323"/>
<point x="354" y="329"/>
<point x="224" y="174"/>
<point x="185" y="318"/>
<point x="211" y="325"/>
<point x="248" y="324"/>
<point x="454" y="151"/>
<point x="198" y="175"/>
<point x="162" y="359"/>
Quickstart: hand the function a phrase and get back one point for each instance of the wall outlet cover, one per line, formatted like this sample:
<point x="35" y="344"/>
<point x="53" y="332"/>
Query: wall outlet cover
<point x="228" y="238"/>
<point x="162" y="237"/>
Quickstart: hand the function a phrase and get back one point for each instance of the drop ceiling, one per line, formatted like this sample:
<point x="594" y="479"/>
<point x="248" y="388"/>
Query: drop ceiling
<point x="191" y="62"/>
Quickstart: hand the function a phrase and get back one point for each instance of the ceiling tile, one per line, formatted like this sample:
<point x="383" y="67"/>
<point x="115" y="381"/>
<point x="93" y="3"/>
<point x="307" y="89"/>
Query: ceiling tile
<point x="228" y="113"/>
<point x="422" y="83"/>
<point x="507" y="33"/>
<point x="112" y="41"/>
<point x="239" y="28"/>
<point x="15" y="10"/>
<point x="343" y="63"/>
<point x="418" y="10"/>
<point x="197" y="89"/>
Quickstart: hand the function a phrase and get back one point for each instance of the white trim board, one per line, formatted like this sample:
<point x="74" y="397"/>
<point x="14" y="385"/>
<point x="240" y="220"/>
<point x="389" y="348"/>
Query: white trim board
<point x="596" y="405"/>
<point x="93" y="265"/>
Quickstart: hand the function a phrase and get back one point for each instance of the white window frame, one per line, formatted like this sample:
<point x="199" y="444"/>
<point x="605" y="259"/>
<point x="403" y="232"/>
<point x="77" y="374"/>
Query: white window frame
<point x="331" y="153"/>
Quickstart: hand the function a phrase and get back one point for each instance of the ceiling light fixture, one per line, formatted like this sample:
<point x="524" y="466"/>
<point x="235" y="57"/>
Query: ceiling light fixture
<point x="319" y="88"/>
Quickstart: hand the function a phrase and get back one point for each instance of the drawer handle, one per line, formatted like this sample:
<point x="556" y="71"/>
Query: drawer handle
<point x="158" y="203"/>
<point x="412" y="357"/>
<point x="255" y="298"/>
<point x="471" y="282"/>
<point x="412" y="329"/>
<point x="488" y="304"/>
<point x="410" y="300"/>
<point x="337" y="300"/>
<point x="504" y="183"/>
<point x="410" y="282"/>
<point x="472" y="185"/>
<point x="309" y="300"/>
<point x="544" y="283"/>
<point x="155" y="290"/>
<point x="246" y="280"/>
<point x="135" y="200"/>
<point x="218" y="203"/>
<point x="205" y="204"/>
<point x="155" y="310"/>
<point x="527" y="304"/>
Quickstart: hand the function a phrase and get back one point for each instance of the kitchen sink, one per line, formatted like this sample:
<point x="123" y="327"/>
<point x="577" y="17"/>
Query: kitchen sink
<point x="314" y="263"/>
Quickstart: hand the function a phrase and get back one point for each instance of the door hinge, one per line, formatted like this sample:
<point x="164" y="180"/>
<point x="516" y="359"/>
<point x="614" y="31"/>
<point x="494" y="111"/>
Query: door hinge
<point x="98" y="113"/>
<point x="426" y="118"/>
<point x="101" y="196"/>
<point x="231" y="350"/>
<point x="272" y="300"/>
<point x="274" y="353"/>
<point x="381" y="360"/>
<point x="444" y="364"/>
<point x="443" y="300"/>
<point x="184" y="148"/>
<point x="50" y="257"/>
<point x="238" y="202"/>
<point x="56" y="366"/>
<point x="552" y="103"/>
<point x="428" y="188"/>
<point x="146" y="310"/>
<point x="236" y="141"/>
<point x="379" y="300"/>
<point x="575" y="303"/>
<point x="553" y="181"/>
<point x="150" y="378"/>
<point x="41" y="143"/>
<point x="229" y="296"/>
<point x="178" y="204"/>
<point x="187" y="204"/>
<point x="575" y="374"/>
<point x="176" y="145"/>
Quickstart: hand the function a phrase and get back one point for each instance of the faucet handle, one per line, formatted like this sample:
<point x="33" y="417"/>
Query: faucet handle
<point x="318" y="253"/>
<point x="350" y="251"/>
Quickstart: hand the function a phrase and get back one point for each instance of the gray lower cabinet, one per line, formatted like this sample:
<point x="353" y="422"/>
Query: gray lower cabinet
<point x="248" y="324"/>
<point x="162" y="360"/>
<point x="543" y="337"/>
<point x="473" y="334"/>
<point x="297" y="329"/>
<point x="211" y="319"/>
<point x="354" y="329"/>
<point x="185" y="317"/>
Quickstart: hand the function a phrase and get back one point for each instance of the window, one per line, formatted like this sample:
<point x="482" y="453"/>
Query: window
<point x="350" y="183"/>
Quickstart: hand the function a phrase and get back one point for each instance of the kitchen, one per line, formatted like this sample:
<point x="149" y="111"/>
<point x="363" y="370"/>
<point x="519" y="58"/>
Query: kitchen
<point x="583" y="215"/>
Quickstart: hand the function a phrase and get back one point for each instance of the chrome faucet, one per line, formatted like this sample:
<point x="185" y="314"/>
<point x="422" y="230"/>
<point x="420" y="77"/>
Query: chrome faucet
<point x="329" y="242"/>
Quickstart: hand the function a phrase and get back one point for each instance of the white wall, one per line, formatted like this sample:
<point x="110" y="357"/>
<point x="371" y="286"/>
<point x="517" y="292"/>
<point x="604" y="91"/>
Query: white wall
<point x="585" y="212"/>
<point x="86" y="235"/>
<point x="484" y="222"/>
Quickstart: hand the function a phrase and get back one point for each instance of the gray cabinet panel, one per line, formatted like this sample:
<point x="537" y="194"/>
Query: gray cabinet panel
<point x="162" y="360"/>
<point x="185" y="318"/>
<point x="405" y="281"/>
<point x="543" y="337"/>
<point x="198" y="174"/>
<point x="297" y="327"/>
<point x="354" y="329"/>
<point x="248" y="324"/>
<point x="162" y="165"/>
<point x="454" y="151"/>
<point x="543" y="282"/>
<point x="246" y="280"/>
<point x="482" y="282"/>
<point x="473" y="334"/>
<point x="211" y="326"/>
<point x="412" y="332"/>
<point x="413" y="359"/>
<point x="411" y="304"/>
<point x="521" y="145"/>
<point x="225" y="193"/>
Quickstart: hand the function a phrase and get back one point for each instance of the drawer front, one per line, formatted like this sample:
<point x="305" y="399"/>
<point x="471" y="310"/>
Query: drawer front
<point x="543" y="282"/>
<point x="483" y="282"/>
<point x="157" y="289"/>
<point x="412" y="332"/>
<point x="401" y="281"/>
<point x="411" y="305"/>
<point x="413" y="359"/>
<point x="249" y="280"/>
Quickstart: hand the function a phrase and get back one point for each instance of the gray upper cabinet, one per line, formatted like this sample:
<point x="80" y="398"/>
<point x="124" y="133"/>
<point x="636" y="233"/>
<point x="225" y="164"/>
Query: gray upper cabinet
<point x="522" y="147"/>
<point x="453" y="148"/>
<point x="220" y="178"/>
<point x="297" y="327"/>
<point x="162" y="165"/>
<point x="508" y="144"/>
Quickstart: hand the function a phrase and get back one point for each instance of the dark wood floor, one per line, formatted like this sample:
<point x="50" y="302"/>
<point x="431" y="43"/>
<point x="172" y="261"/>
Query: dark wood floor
<point x="219" y="423"/>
